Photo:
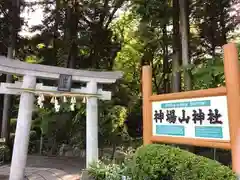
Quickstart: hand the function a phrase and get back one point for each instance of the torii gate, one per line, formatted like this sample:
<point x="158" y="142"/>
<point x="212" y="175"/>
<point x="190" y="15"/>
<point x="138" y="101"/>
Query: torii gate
<point x="29" y="87"/>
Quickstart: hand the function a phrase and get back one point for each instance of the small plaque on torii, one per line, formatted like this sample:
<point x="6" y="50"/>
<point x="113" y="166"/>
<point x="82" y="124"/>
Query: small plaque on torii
<point x="65" y="83"/>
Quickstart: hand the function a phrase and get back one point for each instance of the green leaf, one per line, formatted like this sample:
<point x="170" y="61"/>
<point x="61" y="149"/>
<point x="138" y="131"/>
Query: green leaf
<point x="41" y="46"/>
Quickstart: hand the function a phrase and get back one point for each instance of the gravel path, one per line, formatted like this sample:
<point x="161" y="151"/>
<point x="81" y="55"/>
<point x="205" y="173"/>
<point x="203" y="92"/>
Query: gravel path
<point x="49" y="168"/>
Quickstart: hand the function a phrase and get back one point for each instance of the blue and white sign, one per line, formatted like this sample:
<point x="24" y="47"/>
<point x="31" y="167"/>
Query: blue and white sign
<point x="204" y="118"/>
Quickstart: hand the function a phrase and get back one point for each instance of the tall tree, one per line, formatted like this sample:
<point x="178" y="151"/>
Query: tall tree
<point x="154" y="34"/>
<point x="14" y="27"/>
<point x="176" y="59"/>
<point x="85" y="39"/>
<point x="184" y="28"/>
<point x="4" y="33"/>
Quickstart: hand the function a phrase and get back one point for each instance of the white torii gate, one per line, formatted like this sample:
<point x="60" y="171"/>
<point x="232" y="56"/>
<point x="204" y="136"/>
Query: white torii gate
<point x="29" y="87"/>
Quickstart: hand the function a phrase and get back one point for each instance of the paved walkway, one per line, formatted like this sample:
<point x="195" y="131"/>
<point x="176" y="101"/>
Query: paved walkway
<point x="49" y="168"/>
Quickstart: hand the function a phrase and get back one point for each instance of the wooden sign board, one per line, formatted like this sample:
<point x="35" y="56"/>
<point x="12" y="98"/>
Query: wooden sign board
<point x="201" y="118"/>
<point x="207" y="118"/>
<point x="65" y="83"/>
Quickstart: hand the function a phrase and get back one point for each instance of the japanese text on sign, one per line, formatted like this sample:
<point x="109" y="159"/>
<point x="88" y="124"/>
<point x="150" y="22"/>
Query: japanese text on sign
<point x="197" y="116"/>
<point x="194" y="118"/>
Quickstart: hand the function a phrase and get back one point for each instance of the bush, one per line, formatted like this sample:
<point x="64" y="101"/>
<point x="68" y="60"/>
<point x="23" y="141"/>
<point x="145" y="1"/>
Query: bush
<point x="4" y="153"/>
<point x="110" y="170"/>
<point x="101" y="171"/>
<point x="160" y="162"/>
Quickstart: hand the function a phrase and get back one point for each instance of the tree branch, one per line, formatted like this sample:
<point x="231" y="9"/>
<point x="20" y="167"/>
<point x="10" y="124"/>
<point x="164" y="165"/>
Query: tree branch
<point x="119" y="3"/>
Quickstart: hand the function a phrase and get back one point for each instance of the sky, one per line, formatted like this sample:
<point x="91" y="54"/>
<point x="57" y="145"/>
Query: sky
<point x="35" y="18"/>
<point x="32" y="18"/>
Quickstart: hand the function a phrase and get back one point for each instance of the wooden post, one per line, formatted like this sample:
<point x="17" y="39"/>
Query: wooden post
<point x="147" y="106"/>
<point x="238" y="155"/>
<point x="231" y="68"/>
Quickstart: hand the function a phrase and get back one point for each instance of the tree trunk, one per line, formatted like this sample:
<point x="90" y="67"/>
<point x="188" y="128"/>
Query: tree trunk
<point x="214" y="26"/>
<point x="176" y="76"/>
<point x="166" y="81"/>
<point x="223" y="25"/>
<point x="71" y="31"/>
<point x="72" y="56"/>
<point x="184" y="27"/>
<point x="7" y="103"/>
<point x="14" y="14"/>
<point x="55" y="31"/>
<point x="113" y="151"/>
<point x="67" y="35"/>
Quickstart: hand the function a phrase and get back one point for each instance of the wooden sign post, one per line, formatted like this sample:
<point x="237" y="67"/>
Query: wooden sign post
<point x="207" y="118"/>
<point x="238" y="155"/>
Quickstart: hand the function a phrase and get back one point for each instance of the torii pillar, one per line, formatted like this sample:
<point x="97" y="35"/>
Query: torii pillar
<point x="92" y="125"/>
<point x="24" y="121"/>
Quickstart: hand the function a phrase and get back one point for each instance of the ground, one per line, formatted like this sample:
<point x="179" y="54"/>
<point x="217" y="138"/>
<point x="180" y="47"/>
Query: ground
<point x="49" y="168"/>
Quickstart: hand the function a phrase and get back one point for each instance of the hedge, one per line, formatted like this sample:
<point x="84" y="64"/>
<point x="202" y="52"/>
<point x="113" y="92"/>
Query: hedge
<point x="161" y="162"/>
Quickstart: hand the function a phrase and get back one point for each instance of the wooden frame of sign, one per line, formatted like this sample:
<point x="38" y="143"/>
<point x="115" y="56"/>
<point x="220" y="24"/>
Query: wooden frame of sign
<point x="231" y="91"/>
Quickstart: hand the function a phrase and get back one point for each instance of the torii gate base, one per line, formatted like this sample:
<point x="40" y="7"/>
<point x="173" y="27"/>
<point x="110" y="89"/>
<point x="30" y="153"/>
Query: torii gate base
<point x="30" y="72"/>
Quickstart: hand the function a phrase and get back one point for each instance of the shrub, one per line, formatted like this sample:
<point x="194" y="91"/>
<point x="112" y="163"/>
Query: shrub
<point x="160" y="162"/>
<point x="4" y="153"/>
<point x="101" y="171"/>
<point x="111" y="170"/>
